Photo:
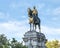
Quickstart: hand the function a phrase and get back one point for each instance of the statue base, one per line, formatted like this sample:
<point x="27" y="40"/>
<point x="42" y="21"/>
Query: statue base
<point x="34" y="39"/>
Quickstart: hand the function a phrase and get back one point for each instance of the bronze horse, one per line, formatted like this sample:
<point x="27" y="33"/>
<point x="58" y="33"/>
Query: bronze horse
<point x="33" y="19"/>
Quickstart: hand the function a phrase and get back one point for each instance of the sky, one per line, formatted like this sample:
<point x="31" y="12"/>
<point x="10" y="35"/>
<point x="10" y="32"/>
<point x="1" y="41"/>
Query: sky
<point x="14" y="17"/>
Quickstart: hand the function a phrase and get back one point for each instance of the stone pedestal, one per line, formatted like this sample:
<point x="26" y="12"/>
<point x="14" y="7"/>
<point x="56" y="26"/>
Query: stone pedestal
<point x="34" y="39"/>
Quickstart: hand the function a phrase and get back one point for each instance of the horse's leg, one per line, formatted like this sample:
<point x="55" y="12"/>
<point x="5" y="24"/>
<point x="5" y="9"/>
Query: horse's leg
<point x="30" y="26"/>
<point x="33" y="26"/>
<point x="39" y="28"/>
<point x="39" y="25"/>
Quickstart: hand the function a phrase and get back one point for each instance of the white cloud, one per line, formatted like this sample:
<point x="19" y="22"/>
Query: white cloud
<point x="50" y="30"/>
<point x="56" y="11"/>
<point x="13" y="29"/>
<point x="51" y="33"/>
<point x="17" y="29"/>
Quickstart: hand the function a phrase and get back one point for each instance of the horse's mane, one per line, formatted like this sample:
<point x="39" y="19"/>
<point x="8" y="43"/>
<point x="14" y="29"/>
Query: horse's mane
<point x="30" y="12"/>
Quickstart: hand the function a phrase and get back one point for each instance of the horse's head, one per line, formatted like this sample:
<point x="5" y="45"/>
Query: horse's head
<point x="29" y="12"/>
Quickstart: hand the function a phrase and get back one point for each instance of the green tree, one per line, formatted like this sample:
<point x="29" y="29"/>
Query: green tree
<point x="20" y="45"/>
<point x="52" y="44"/>
<point x="3" y="41"/>
<point x="48" y="44"/>
<point x="16" y="44"/>
<point x="13" y="43"/>
<point x="55" y="43"/>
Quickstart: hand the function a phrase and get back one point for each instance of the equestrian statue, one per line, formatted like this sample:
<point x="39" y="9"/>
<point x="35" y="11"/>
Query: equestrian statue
<point x="33" y="18"/>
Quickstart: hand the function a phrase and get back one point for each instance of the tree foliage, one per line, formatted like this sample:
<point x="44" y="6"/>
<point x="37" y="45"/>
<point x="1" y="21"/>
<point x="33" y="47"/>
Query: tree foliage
<point x="5" y="43"/>
<point x="53" y="44"/>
